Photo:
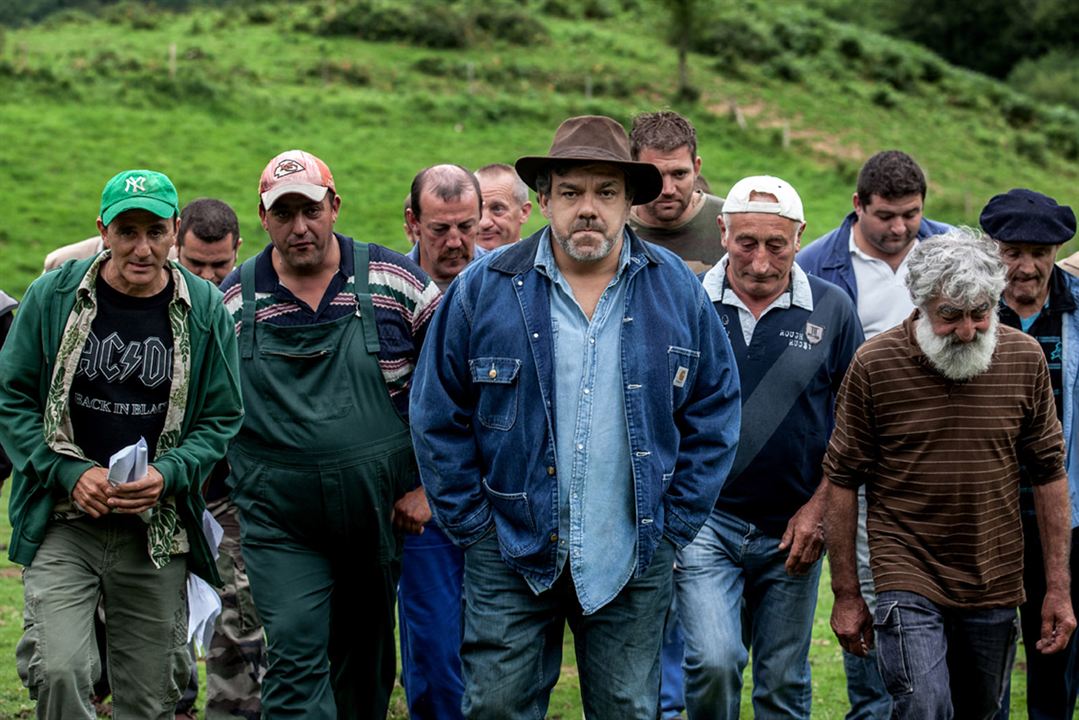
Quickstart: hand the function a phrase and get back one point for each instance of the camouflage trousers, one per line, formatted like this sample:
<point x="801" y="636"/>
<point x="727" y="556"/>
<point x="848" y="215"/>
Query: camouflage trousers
<point x="236" y="658"/>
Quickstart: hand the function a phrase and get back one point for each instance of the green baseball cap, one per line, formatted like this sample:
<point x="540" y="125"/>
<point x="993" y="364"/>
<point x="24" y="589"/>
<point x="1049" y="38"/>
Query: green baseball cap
<point x="142" y="189"/>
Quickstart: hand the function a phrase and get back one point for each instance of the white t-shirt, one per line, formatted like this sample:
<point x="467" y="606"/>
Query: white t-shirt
<point x="883" y="298"/>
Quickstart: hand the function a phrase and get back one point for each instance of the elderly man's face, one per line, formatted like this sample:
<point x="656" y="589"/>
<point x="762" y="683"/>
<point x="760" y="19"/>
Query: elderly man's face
<point x="889" y="226"/>
<point x="587" y="209"/>
<point x="958" y="338"/>
<point x="503" y="214"/>
<point x="679" y="170"/>
<point x="761" y="248"/>
<point x="446" y="233"/>
<point x="949" y="318"/>
<point x="1030" y="265"/>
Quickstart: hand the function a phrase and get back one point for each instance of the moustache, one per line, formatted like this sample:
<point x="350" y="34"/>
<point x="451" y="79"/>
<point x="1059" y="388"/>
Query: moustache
<point x="590" y="226"/>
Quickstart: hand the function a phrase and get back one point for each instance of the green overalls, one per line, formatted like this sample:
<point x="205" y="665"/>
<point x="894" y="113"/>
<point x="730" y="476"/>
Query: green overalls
<point x="316" y="468"/>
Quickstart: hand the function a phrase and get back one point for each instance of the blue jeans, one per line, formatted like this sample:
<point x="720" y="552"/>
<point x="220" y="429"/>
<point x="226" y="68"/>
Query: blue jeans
<point x="512" y="648"/>
<point x="429" y="613"/>
<point x="672" y="698"/>
<point x="869" y="699"/>
<point x="943" y="662"/>
<point x="729" y="562"/>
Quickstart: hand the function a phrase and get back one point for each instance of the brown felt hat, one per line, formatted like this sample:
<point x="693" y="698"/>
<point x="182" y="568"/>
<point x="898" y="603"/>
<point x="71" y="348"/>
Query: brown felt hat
<point x="595" y="138"/>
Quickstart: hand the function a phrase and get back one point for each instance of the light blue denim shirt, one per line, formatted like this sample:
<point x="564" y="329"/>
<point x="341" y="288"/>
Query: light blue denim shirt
<point x="595" y="477"/>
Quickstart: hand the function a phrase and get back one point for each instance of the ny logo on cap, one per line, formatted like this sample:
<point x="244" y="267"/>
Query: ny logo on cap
<point x="287" y="167"/>
<point x="135" y="184"/>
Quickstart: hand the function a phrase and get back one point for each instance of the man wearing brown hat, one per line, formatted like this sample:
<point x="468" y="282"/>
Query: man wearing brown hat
<point x="574" y="418"/>
<point x="1042" y="300"/>
<point x="329" y="331"/>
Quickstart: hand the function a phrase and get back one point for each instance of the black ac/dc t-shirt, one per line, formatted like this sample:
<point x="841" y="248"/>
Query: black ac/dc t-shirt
<point x="121" y="387"/>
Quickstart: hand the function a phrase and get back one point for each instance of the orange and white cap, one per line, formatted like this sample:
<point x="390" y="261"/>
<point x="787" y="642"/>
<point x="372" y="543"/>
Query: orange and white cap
<point x="295" y="171"/>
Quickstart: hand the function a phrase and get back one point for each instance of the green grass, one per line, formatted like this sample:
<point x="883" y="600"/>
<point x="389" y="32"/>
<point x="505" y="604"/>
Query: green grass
<point x="825" y="658"/>
<point x="87" y="97"/>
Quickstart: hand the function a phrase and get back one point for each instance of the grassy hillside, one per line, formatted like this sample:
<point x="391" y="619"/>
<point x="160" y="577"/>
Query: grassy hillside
<point x="87" y="96"/>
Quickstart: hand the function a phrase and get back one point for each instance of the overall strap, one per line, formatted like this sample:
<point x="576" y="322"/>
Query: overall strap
<point x="247" y="325"/>
<point x="365" y="309"/>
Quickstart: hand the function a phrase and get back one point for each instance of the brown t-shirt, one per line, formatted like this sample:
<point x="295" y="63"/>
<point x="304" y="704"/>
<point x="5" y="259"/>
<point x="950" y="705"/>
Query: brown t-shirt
<point x="696" y="240"/>
<point x="940" y="461"/>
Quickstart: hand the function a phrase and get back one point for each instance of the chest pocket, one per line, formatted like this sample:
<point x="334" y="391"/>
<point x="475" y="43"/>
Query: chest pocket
<point x="495" y="380"/>
<point x="682" y="367"/>
<point x="304" y="385"/>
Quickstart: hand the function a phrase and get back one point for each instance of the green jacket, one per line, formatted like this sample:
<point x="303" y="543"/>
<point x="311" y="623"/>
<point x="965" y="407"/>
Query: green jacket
<point x="206" y="406"/>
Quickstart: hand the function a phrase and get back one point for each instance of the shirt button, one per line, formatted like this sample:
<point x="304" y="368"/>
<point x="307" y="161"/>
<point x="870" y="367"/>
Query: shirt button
<point x="586" y="391"/>
<point x="535" y="336"/>
<point x="580" y="446"/>
<point x="550" y="469"/>
<point x="554" y="537"/>
<point x="492" y="374"/>
<point x="592" y="340"/>
<point x="520" y="283"/>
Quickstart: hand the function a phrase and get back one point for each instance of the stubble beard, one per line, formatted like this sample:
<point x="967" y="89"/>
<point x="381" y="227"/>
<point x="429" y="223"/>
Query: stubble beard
<point x="590" y="254"/>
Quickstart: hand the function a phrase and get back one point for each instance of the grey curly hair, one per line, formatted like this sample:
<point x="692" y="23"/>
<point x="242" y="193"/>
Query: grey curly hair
<point x="961" y="265"/>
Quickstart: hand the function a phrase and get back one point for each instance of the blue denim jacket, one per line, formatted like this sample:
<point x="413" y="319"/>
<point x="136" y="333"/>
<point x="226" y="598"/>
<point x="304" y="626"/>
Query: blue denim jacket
<point x="482" y="396"/>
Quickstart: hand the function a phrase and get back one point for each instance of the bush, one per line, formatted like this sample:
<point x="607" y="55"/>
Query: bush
<point x="1018" y="111"/>
<point x="425" y="24"/>
<point x="803" y="38"/>
<point x="1053" y="77"/>
<point x="342" y="71"/>
<point x="260" y="15"/>
<point x="850" y="47"/>
<point x="737" y="39"/>
<point x="510" y="25"/>
<point x="786" y="68"/>
<point x="885" y="97"/>
<point x="1032" y="146"/>
<point x="894" y="68"/>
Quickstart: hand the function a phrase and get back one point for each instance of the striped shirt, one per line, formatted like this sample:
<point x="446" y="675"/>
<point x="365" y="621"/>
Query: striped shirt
<point x="404" y="298"/>
<point x="940" y="461"/>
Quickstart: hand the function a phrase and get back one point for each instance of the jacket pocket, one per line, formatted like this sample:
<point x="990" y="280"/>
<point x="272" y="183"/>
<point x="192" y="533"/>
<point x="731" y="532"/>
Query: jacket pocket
<point x="513" y="517"/>
<point x="682" y="367"/>
<point x="495" y="380"/>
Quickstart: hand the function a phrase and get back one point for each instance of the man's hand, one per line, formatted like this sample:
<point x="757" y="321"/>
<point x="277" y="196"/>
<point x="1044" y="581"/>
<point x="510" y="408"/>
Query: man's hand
<point x="1058" y="622"/>
<point x="92" y="492"/>
<point x="852" y="624"/>
<point x="804" y="536"/>
<point x="411" y="512"/>
<point x="134" y="497"/>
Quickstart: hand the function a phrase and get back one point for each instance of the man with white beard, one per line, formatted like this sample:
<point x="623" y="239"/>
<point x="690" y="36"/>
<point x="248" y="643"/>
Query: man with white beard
<point x="935" y="417"/>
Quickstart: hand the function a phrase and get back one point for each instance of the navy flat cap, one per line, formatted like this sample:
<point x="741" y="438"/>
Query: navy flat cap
<point x="1025" y="216"/>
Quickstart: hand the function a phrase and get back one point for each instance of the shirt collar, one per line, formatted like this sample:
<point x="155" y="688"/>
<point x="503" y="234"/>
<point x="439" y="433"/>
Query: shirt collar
<point x="87" y="286"/>
<point x="715" y="284"/>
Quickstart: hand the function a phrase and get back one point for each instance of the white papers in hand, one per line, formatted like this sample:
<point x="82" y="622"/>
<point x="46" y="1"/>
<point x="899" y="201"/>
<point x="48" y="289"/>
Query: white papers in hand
<point x="128" y="465"/>
<point x="213" y="531"/>
<point x="203" y="607"/>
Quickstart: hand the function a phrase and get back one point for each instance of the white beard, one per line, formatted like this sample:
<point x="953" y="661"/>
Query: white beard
<point x="953" y="359"/>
